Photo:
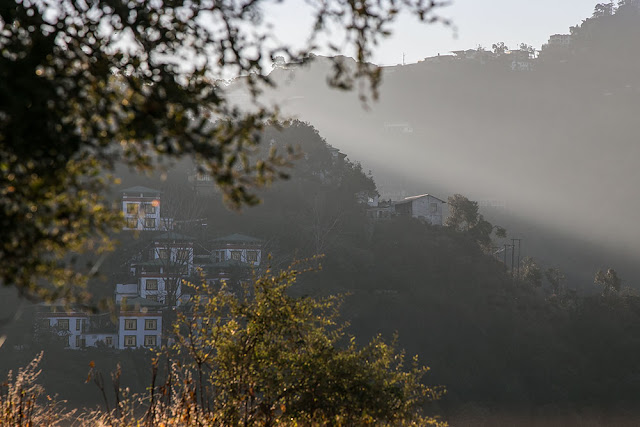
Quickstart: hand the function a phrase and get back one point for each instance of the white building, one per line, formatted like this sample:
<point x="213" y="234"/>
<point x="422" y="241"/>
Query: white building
<point x="80" y="329"/>
<point x="139" y="323"/>
<point x="141" y="208"/>
<point x="425" y="207"/>
<point x="71" y="324"/>
<point x="559" y="40"/>
<point x="237" y="247"/>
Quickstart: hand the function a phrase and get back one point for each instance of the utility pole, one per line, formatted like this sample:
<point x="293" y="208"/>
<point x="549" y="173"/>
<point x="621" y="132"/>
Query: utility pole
<point x="505" y="254"/>
<point x="513" y="244"/>
<point x="403" y="58"/>
<point x="505" y="257"/>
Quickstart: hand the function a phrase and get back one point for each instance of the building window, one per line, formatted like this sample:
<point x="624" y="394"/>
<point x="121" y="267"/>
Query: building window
<point x="130" y="324"/>
<point x="108" y="341"/>
<point x="132" y="222"/>
<point x="218" y="256"/>
<point x="78" y="324"/>
<point x="149" y="209"/>
<point x="150" y="340"/>
<point x="434" y="207"/>
<point x="236" y="255"/>
<point x="252" y="256"/>
<point x="150" y="324"/>
<point x="162" y="253"/>
<point x="46" y="323"/>
<point x="63" y="324"/>
<point x="182" y="255"/>
<point x="149" y="223"/>
<point x="80" y="341"/>
<point x="132" y="209"/>
<point x="129" y="340"/>
<point x="153" y="297"/>
<point x="151" y="284"/>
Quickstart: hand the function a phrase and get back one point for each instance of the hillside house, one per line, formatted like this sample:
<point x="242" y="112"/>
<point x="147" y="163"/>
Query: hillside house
<point x="425" y="207"/>
<point x="141" y="208"/>
<point x="239" y="248"/>
<point x="559" y="40"/>
<point x="139" y="323"/>
<point x="168" y="260"/>
<point x="78" y="329"/>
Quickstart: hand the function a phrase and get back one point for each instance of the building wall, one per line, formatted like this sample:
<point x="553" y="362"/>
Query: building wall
<point x="238" y="253"/>
<point x="138" y="210"/>
<point x="428" y="208"/>
<point x="160" y="293"/>
<point x="139" y="332"/>
<point x="173" y="252"/>
<point x="101" y="339"/>
<point x="78" y="323"/>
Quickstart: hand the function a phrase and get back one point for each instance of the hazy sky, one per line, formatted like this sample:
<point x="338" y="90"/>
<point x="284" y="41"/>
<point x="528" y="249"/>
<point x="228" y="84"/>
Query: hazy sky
<point x="481" y="22"/>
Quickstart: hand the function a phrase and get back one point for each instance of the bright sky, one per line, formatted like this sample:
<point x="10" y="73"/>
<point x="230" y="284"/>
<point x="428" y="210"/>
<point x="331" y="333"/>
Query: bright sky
<point x="481" y="22"/>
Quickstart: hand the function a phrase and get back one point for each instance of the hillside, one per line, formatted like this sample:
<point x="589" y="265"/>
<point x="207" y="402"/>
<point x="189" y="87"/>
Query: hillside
<point x="554" y="146"/>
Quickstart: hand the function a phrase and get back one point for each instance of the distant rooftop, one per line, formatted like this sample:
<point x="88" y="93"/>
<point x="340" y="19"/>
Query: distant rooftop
<point x="229" y="263"/>
<point x="408" y="199"/>
<point x="138" y="302"/>
<point x="237" y="238"/>
<point x="173" y="236"/>
<point x="140" y="189"/>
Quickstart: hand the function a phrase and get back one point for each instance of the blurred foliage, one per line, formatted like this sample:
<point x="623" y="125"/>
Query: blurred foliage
<point x="264" y="357"/>
<point x="85" y="84"/>
<point x="609" y="281"/>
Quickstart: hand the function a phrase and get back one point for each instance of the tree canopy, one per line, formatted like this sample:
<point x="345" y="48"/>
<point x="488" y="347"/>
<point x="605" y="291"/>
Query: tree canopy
<point x="464" y="216"/>
<point x="86" y="84"/>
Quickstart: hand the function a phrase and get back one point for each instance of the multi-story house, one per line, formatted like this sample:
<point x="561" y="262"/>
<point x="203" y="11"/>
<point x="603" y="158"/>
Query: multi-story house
<point x="76" y="329"/>
<point x="237" y="247"/>
<point x="170" y="259"/>
<point x="141" y="208"/>
<point x="425" y="207"/>
<point x="139" y="323"/>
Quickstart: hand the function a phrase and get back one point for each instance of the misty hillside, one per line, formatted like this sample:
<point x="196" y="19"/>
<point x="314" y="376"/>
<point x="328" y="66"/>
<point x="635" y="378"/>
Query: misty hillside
<point x="553" y="147"/>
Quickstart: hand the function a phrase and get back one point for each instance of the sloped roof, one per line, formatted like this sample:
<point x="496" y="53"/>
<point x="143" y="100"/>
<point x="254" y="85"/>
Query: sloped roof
<point x="139" y="302"/>
<point x="173" y="236"/>
<point x="411" y="198"/>
<point x="237" y="238"/>
<point x="228" y="263"/>
<point x="140" y="189"/>
<point x="161" y="262"/>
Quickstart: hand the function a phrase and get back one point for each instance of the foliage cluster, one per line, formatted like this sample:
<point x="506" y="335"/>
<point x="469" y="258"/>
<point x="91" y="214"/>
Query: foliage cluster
<point x="86" y="84"/>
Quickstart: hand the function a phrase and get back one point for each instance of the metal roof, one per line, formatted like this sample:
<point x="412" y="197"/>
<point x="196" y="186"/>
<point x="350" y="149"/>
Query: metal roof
<point x="140" y="189"/>
<point x="411" y="198"/>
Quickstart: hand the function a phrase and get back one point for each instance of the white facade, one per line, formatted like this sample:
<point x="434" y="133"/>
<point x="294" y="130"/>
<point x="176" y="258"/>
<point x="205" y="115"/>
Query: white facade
<point x="105" y="339"/>
<point x="177" y="255"/>
<point x="560" y="40"/>
<point x="141" y="208"/>
<point x="154" y="288"/>
<point x="71" y="324"/>
<point x="242" y="255"/>
<point x="239" y="248"/>
<point x="425" y="207"/>
<point x="139" y="329"/>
